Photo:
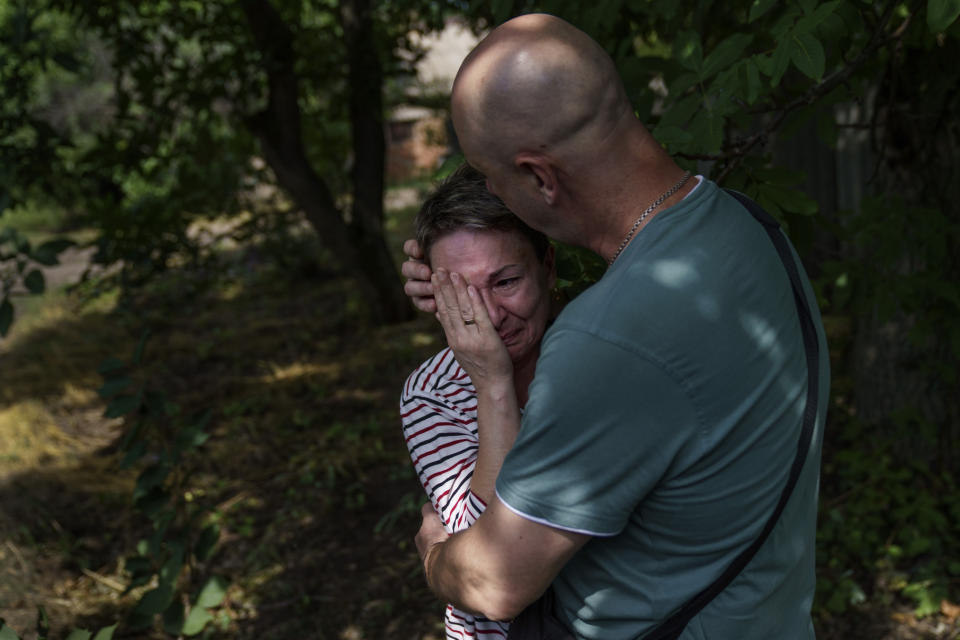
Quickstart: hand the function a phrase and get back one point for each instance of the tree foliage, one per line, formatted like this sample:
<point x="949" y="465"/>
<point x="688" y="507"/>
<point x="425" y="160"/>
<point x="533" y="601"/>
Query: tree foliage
<point x="199" y="89"/>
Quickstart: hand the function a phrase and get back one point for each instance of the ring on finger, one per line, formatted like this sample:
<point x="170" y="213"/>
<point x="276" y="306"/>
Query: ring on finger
<point x="469" y="322"/>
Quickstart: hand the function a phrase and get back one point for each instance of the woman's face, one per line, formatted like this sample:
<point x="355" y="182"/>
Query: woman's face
<point x="514" y="284"/>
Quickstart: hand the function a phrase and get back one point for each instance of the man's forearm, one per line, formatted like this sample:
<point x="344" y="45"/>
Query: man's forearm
<point x="499" y="565"/>
<point x="459" y="575"/>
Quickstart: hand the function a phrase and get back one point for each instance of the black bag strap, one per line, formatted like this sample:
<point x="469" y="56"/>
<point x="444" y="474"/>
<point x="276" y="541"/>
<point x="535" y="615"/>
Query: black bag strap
<point x="673" y="626"/>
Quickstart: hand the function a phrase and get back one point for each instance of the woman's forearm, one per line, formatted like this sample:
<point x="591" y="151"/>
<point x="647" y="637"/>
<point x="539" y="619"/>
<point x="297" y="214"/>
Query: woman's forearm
<point x="498" y="421"/>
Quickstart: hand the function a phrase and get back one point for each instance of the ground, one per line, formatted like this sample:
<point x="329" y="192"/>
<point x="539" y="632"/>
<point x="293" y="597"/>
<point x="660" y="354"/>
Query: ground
<point x="305" y="470"/>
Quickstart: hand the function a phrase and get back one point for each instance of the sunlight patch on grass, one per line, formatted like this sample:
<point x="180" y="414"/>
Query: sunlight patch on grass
<point x="420" y="339"/>
<point x="79" y="396"/>
<point x="51" y="309"/>
<point x="29" y="436"/>
<point x="286" y="372"/>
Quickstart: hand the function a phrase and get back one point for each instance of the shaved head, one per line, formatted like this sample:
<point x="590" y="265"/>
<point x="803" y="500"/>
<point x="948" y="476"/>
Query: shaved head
<point x="540" y="109"/>
<point x="536" y="83"/>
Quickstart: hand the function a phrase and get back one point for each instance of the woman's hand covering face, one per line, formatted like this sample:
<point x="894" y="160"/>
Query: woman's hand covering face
<point x="469" y="331"/>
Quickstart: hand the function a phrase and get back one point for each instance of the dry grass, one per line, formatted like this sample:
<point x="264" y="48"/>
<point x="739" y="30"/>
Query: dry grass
<point x="305" y="460"/>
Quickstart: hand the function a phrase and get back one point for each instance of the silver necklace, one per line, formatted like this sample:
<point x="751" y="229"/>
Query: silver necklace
<point x="656" y="203"/>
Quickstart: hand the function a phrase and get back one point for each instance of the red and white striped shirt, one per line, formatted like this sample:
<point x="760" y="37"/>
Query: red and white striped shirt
<point x="438" y="409"/>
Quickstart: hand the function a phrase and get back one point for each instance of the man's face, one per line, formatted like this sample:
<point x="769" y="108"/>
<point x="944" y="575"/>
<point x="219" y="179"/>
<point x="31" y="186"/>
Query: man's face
<point x="514" y="285"/>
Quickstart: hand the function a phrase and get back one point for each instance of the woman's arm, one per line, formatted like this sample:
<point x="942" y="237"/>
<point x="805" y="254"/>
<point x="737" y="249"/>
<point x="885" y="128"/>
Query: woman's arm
<point x="438" y="413"/>
<point x="482" y="354"/>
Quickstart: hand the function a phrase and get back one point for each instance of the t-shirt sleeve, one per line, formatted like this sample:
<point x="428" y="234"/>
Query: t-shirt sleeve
<point x="602" y="426"/>
<point x="442" y="440"/>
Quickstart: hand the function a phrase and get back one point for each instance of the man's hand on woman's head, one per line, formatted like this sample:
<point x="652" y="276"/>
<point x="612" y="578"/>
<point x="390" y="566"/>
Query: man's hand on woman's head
<point x="418" y="286"/>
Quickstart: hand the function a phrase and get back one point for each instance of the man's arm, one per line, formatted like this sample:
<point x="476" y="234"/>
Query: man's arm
<point x="499" y="565"/>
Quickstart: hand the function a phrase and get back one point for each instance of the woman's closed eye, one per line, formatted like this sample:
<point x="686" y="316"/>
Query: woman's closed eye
<point x="507" y="283"/>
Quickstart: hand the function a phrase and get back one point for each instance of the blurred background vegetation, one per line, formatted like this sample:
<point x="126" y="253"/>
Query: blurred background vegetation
<point x="204" y="332"/>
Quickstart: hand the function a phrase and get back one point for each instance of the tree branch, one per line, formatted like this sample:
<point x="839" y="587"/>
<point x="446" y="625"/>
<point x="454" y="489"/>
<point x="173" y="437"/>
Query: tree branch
<point x="734" y="153"/>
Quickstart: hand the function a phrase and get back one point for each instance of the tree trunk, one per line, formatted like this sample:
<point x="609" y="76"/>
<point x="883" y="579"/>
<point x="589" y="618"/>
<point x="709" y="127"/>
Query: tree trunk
<point x="360" y="249"/>
<point x="365" y="82"/>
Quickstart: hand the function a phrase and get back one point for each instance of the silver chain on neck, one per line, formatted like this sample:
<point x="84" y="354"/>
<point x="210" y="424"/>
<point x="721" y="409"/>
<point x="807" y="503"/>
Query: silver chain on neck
<point x="656" y="203"/>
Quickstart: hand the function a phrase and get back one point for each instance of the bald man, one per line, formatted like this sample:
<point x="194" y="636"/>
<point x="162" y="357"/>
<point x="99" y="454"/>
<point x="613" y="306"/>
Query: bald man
<point x="666" y="408"/>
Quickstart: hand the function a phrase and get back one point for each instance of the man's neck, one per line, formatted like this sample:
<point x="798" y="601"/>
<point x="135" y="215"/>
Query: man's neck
<point x="610" y="244"/>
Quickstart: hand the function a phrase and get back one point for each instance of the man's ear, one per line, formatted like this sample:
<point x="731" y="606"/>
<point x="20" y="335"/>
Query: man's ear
<point x="541" y="169"/>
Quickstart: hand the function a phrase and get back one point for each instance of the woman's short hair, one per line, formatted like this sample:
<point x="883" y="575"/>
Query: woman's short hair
<point x="462" y="201"/>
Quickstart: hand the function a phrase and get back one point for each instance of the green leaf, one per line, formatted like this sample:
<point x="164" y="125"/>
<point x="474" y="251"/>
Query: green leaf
<point x="190" y="437"/>
<point x="778" y="62"/>
<point x="137" y="621"/>
<point x="67" y="60"/>
<point x="154" y="601"/>
<point x="43" y="623"/>
<point x="788" y="199"/>
<point x="152" y="476"/>
<point x="679" y="113"/>
<point x="22" y="243"/>
<point x="941" y="14"/>
<point x="206" y="542"/>
<point x="174" y="564"/>
<point x="807" y="54"/>
<point x="138" y="354"/>
<point x="196" y="621"/>
<point x="688" y="51"/>
<point x="754" y="87"/>
<point x="707" y="131"/>
<point x="213" y="593"/>
<point x="114" y="386"/>
<point x="673" y="138"/>
<point x="48" y="253"/>
<point x="122" y="405"/>
<point x="133" y="454"/>
<point x="726" y="53"/>
<point x="6" y="316"/>
<point x="153" y="503"/>
<point x="683" y="82"/>
<point x="813" y="19"/>
<point x="35" y="281"/>
<point x="137" y="565"/>
<point x="110" y="365"/>
<point x="79" y="634"/>
<point x="106" y="633"/>
<point x="760" y="7"/>
<point x="173" y="618"/>
<point x="156" y="404"/>
<point x="6" y="633"/>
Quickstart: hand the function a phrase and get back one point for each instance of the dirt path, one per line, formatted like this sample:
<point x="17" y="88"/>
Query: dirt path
<point x="73" y="262"/>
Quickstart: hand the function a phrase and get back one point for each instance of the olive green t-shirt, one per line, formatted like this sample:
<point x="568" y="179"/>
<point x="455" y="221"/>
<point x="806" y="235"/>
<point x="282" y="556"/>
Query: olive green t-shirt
<point x="663" y="420"/>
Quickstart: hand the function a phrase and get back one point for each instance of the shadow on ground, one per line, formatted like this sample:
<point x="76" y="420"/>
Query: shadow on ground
<point x="306" y="468"/>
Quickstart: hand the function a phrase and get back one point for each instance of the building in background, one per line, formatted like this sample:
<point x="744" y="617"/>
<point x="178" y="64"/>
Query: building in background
<point x="419" y="138"/>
